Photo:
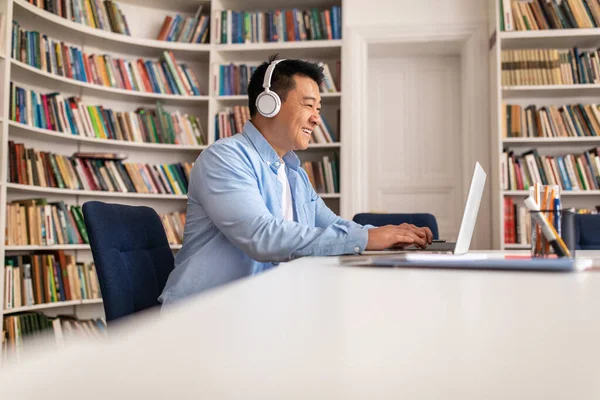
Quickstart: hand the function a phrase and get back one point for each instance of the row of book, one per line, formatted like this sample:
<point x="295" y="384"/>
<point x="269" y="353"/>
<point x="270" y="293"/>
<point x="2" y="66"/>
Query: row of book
<point x="174" y="224"/>
<point x="549" y="67"/>
<point x="185" y="29"/>
<point x="232" y="79"/>
<point x="533" y="15"/>
<point x="72" y="116"/>
<point x="35" y="329"/>
<point x="164" y="76"/>
<point x="231" y="121"/>
<point x="47" y="278"/>
<point x="323" y="174"/>
<point x="517" y="221"/>
<point x="38" y="222"/>
<point x="81" y="172"/>
<point x="571" y="120"/>
<point x="99" y="14"/>
<point x="570" y="172"/>
<point x="232" y="26"/>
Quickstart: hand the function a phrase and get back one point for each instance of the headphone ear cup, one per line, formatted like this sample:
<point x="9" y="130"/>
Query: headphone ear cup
<point x="268" y="104"/>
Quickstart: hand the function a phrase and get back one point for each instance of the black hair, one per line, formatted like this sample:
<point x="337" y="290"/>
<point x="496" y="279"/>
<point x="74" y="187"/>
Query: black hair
<point x="282" y="80"/>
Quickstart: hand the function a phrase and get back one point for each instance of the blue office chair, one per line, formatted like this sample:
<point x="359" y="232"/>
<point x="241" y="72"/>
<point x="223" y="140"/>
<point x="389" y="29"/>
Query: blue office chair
<point x="132" y="255"/>
<point x="418" y="219"/>
<point x="587" y="231"/>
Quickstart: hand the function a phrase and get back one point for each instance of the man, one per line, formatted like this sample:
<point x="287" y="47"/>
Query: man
<point x="251" y="205"/>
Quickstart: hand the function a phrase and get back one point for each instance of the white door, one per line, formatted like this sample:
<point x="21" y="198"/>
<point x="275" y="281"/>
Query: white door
<point x="414" y="138"/>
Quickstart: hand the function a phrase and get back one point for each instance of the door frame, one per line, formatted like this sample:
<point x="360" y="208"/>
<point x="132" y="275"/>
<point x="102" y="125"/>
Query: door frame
<point x="474" y="124"/>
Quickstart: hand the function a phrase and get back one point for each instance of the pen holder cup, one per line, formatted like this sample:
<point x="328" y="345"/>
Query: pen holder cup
<point x="562" y="226"/>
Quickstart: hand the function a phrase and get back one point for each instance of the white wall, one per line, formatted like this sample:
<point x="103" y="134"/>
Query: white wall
<point x="390" y="12"/>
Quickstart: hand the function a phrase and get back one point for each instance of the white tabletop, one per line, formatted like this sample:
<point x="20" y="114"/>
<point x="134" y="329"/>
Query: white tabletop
<point x="313" y="329"/>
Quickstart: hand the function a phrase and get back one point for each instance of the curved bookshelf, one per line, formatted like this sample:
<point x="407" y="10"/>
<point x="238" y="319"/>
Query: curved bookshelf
<point x="52" y="305"/>
<point x="106" y="89"/>
<point x="115" y="37"/>
<point x="63" y="247"/>
<point x="563" y="192"/>
<point x="93" y="193"/>
<point x="33" y="131"/>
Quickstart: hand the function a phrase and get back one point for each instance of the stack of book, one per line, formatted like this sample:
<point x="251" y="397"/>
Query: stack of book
<point x="571" y="120"/>
<point x="53" y="112"/>
<point x="164" y="76"/>
<point x="570" y="172"/>
<point x="232" y="79"/>
<point x="185" y="29"/>
<point x="550" y="67"/>
<point x="535" y="15"/>
<point x="174" y="224"/>
<point x="105" y="15"/>
<point x="84" y="171"/>
<point x="38" y="222"/>
<point x="232" y="26"/>
<point x="47" y="278"/>
<point x="323" y="174"/>
<point x="22" y="329"/>
<point x="231" y="121"/>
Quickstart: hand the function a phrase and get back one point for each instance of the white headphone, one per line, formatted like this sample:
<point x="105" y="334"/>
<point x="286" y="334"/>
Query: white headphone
<point x="268" y="103"/>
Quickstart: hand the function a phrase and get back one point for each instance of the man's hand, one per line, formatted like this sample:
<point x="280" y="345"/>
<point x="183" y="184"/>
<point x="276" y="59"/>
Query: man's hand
<point x="398" y="236"/>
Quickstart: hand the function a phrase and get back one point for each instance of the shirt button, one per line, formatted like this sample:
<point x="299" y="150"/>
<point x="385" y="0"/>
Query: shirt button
<point x="357" y="249"/>
<point x="276" y="164"/>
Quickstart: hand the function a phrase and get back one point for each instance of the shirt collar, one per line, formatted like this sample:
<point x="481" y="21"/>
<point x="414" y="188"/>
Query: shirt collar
<point x="266" y="151"/>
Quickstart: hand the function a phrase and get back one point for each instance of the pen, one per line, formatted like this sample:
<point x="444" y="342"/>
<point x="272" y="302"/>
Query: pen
<point x="557" y="213"/>
<point x="547" y="229"/>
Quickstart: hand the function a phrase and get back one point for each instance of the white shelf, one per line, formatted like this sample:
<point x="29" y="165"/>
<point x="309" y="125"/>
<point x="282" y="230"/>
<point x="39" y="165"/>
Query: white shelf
<point x="563" y="193"/>
<point x="552" y="140"/>
<point x="64" y="247"/>
<point x="550" y="38"/>
<point x="516" y="246"/>
<point x="551" y="90"/>
<point x="112" y="36"/>
<point x="33" y="131"/>
<point x="56" y="304"/>
<point x="306" y="44"/>
<point x="244" y="97"/>
<point x="329" y="195"/>
<point x="325" y="145"/>
<point x="93" y="193"/>
<point x="106" y="89"/>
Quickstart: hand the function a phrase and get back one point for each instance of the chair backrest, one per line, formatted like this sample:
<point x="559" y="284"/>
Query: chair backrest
<point x="587" y="231"/>
<point x="132" y="255"/>
<point x="418" y="219"/>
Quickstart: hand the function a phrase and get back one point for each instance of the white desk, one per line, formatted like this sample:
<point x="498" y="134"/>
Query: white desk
<point x="311" y="329"/>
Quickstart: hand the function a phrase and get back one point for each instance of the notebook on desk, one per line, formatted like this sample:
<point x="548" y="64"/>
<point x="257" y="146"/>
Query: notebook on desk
<point x="467" y="225"/>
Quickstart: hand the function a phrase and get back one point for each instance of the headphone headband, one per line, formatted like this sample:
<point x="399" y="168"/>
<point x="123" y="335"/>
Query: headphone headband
<point x="269" y="74"/>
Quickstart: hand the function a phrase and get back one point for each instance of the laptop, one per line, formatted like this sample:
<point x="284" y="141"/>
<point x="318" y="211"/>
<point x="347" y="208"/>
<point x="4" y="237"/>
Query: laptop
<point x="467" y="226"/>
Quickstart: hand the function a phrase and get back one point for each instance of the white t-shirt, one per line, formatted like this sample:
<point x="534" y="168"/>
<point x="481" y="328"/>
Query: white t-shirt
<point x="286" y="203"/>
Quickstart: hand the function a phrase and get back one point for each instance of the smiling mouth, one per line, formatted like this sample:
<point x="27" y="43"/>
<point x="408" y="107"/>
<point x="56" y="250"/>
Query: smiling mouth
<point x="307" y="131"/>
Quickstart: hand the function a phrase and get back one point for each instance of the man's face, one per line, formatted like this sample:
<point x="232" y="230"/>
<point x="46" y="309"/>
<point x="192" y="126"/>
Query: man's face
<point x="299" y="114"/>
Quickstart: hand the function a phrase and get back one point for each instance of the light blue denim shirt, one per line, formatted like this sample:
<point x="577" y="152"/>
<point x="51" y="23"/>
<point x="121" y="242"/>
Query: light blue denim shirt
<point x="235" y="227"/>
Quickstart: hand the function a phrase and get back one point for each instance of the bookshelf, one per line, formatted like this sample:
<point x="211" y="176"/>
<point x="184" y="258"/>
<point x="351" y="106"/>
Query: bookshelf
<point x="542" y="96"/>
<point x="145" y="18"/>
